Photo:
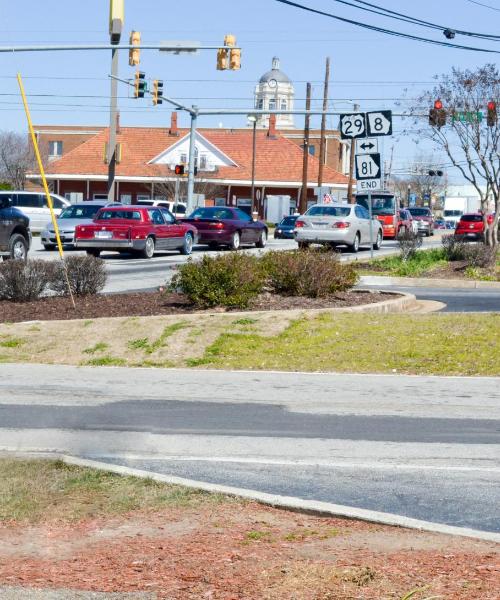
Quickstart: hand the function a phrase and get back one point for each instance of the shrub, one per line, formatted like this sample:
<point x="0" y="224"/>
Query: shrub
<point x="480" y="255"/>
<point x="307" y="273"/>
<point x="454" y="247"/>
<point x="408" y="242"/>
<point x="231" y="280"/>
<point x="86" y="275"/>
<point x="25" y="281"/>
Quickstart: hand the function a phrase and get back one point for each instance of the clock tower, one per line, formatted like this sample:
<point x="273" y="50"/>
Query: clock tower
<point x="275" y="91"/>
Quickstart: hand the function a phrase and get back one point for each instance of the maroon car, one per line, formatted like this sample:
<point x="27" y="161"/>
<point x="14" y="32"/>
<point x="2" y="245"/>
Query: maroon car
<point x="135" y="229"/>
<point x="227" y="226"/>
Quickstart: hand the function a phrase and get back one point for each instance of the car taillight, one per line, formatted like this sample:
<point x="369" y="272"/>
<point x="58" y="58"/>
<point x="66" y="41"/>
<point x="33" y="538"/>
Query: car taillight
<point x="216" y="225"/>
<point x="341" y="225"/>
<point x="299" y="223"/>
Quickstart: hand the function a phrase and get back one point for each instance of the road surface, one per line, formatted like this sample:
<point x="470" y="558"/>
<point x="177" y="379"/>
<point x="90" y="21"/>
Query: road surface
<point x="421" y="447"/>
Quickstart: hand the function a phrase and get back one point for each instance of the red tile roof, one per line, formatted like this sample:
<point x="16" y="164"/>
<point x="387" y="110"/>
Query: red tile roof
<point x="277" y="159"/>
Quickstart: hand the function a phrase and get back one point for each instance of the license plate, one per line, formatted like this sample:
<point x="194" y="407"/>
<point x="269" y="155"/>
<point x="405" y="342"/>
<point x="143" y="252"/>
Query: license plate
<point x="103" y="235"/>
<point x="319" y="224"/>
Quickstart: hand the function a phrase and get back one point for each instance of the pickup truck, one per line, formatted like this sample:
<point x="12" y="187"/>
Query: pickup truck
<point x="15" y="234"/>
<point x="135" y="229"/>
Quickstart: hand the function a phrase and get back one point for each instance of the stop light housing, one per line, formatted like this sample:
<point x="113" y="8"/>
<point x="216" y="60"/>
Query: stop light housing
<point x="157" y="91"/>
<point x="134" y="54"/>
<point x="234" y="59"/>
<point x="222" y="59"/>
<point x="139" y="84"/>
<point x="437" y="115"/>
<point x="491" y="118"/>
<point x="179" y="169"/>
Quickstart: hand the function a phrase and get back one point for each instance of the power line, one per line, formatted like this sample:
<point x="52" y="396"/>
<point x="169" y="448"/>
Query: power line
<point x="386" y="31"/>
<point x="481" y="4"/>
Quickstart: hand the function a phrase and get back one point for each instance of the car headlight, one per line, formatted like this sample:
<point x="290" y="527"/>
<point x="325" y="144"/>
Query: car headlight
<point x="278" y="230"/>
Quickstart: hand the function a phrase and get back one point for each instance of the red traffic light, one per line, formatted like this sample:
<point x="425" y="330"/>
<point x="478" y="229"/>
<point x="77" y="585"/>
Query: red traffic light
<point x="438" y="105"/>
<point x="492" y="105"/>
<point x="179" y="169"/>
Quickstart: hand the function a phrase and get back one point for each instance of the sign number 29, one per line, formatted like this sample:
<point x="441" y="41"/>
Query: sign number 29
<point x="353" y="126"/>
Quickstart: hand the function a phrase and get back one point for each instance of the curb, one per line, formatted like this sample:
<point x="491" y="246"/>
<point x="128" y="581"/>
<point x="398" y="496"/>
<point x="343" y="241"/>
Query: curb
<point x="427" y="282"/>
<point x="313" y="507"/>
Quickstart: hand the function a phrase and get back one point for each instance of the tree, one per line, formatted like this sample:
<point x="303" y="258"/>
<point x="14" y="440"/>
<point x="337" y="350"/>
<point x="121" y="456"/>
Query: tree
<point x="206" y="187"/>
<point x="16" y="159"/>
<point x="419" y="177"/>
<point x="470" y="144"/>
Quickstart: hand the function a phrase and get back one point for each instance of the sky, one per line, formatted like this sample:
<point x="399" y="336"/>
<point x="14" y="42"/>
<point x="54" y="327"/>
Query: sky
<point x="369" y="68"/>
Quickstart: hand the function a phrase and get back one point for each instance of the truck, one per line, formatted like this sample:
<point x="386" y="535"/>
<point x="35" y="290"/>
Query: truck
<point x="15" y="233"/>
<point x="456" y="206"/>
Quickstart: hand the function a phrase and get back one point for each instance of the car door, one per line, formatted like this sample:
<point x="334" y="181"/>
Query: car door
<point x="160" y="228"/>
<point x="250" y="230"/>
<point x="5" y="221"/>
<point x="174" y="230"/>
<point x="362" y="218"/>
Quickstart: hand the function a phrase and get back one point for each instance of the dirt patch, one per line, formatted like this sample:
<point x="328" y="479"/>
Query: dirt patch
<point x="236" y="551"/>
<point x="157" y="303"/>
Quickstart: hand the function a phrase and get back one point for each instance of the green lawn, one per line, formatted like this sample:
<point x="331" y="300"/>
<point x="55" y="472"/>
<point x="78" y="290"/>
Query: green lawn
<point x="440" y="344"/>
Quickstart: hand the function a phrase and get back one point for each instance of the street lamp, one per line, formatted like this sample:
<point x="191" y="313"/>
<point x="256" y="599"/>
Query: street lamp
<point x="253" y="119"/>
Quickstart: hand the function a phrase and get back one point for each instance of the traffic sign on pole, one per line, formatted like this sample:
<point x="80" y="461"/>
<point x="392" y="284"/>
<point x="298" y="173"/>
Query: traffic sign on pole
<point x="379" y="122"/>
<point x="368" y="166"/>
<point x="352" y="125"/>
<point x="367" y="146"/>
<point x="367" y="185"/>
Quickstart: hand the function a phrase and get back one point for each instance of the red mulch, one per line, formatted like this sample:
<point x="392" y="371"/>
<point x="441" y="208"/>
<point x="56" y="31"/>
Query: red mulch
<point x="161" y="303"/>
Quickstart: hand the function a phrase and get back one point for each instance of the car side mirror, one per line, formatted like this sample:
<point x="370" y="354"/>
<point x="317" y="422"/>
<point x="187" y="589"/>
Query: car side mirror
<point x="5" y="202"/>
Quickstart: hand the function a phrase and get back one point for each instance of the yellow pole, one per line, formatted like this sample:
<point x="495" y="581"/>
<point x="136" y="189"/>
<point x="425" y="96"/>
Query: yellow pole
<point x="44" y="180"/>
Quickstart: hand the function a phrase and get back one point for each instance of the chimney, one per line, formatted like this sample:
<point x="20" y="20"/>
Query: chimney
<point x="173" y="125"/>
<point x="272" y="127"/>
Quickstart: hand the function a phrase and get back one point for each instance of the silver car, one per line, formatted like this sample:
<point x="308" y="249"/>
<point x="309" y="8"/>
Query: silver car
<point x="337" y="224"/>
<point x="70" y="217"/>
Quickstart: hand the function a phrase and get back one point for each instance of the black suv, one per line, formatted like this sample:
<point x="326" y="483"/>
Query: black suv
<point x="15" y="234"/>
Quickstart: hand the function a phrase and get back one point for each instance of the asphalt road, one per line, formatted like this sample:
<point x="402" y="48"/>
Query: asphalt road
<point x="422" y="447"/>
<point x="126" y="273"/>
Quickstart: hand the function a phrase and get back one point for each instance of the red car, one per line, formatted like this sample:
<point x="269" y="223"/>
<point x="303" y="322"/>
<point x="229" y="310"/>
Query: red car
<point x="471" y="226"/>
<point x="137" y="229"/>
<point x="227" y="226"/>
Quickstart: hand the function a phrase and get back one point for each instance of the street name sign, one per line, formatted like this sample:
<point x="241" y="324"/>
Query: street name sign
<point x="379" y="122"/>
<point x="352" y="125"/>
<point x="367" y="146"/>
<point x="368" y="166"/>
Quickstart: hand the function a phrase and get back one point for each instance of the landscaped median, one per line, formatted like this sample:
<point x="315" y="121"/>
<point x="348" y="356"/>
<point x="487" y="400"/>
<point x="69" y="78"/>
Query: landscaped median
<point x="70" y="529"/>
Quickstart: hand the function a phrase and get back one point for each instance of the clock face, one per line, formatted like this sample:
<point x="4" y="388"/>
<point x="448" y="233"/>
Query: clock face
<point x="272" y="83"/>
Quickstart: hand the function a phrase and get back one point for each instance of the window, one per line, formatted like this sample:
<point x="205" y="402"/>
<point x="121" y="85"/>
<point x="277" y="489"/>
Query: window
<point x="156" y="216"/>
<point x="212" y="212"/>
<point x="142" y="197"/>
<point x="168" y="216"/>
<point x="243" y="216"/>
<point x="203" y="162"/>
<point x="329" y="211"/>
<point x="30" y="200"/>
<point x="183" y="159"/>
<point x="283" y="104"/>
<point x="80" y="211"/>
<point x="260" y="104"/>
<point x="312" y="149"/>
<point x="131" y="215"/>
<point x="362" y="213"/>
<point x="126" y="198"/>
<point x="55" y="148"/>
<point x="100" y="196"/>
<point x="272" y="104"/>
<point x="56" y="203"/>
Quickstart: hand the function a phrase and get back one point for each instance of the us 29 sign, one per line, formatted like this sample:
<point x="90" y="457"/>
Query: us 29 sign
<point x="352" y="126"/>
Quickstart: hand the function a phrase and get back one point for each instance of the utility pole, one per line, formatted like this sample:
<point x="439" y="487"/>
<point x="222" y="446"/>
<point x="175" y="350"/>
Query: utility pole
<point x="322" y="144"/>
<point x="116" y="17"/>
<point x="350" y="199"/>
<point x="303" y="196"/>
<point x="192" y="148"/>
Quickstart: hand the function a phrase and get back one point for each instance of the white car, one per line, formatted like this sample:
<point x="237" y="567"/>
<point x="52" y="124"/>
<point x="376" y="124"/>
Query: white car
<point x="336" y="225"/>
<point x="34" y="206"/>
<point x="180" y="207"/>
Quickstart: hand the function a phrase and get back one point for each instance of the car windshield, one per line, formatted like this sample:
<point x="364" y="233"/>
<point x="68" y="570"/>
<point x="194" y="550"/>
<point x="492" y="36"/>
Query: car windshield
<point x="329" y="211"/>
<point x="472" y="218"/>
<point x="420" y="212"/>
<point x="133" y="215"/>
<point x="288" y="221"/>
<point x="212" y="212"/>
<point x="78" y="211"/>
<point x="381" y="205"/>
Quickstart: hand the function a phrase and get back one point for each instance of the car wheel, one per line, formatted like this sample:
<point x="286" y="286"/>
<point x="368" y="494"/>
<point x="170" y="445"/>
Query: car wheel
<point x="94" y="252"/>
<point x="149" y="248"/>
<point x="378" y="241"/>
<point x="354" y="247"/>
<point x="49" y="246"/>
<point x="303" y="245"/>
<point x="187" y="246"/>
<point x="235" y="241"/>
<point x="431" y="232"/>
<point x="18" y="248"/>
<point x="262" y="239"/>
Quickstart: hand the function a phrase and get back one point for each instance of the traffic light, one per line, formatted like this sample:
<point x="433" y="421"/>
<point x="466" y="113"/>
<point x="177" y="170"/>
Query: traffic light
<point x="234" y="59"/>
<point x="134" y="54"/>
<point x="139" y="84"/>
<point x="491" y="119"/>
<point x="116" y="18"/>
<point x="157" y="91"/>
<point x="437" y="173"/>
<point x="437" y="115"/>
<point x="222" y="59"/>
<point x="179" y="169"/>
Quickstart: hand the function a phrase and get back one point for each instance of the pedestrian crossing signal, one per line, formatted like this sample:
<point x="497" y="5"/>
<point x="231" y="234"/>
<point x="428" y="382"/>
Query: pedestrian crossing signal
<point x="179" y="169"/>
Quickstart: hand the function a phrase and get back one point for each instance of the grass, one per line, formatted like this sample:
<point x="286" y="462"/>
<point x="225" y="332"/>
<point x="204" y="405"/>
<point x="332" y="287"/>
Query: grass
<point x="12" y="342"/>
<point x="106" y="361"/>
<point x="36" y="491"/>
<point x="422" y="262"/>
<point x="98" y="347"/>
<point x="151" y="347"/>
<point x="440" y="344"/>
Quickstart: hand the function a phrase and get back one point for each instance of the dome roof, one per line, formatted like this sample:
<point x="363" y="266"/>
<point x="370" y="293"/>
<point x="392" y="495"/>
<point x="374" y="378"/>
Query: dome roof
<point x="275" y="73"/>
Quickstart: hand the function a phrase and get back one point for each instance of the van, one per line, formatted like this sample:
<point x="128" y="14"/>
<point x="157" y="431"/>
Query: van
<point x="179" y="208"/>
<point x="34" y="206"/>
